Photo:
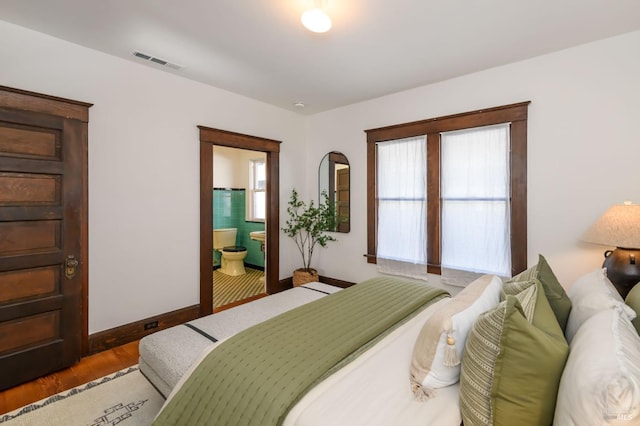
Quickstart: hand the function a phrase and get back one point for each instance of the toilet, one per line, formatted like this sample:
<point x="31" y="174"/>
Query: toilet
<point x="232" y="260"/>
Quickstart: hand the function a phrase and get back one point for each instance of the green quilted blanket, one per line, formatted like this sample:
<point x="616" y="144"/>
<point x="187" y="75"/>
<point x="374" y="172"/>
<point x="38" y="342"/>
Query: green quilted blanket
<point x="256" y="376"/>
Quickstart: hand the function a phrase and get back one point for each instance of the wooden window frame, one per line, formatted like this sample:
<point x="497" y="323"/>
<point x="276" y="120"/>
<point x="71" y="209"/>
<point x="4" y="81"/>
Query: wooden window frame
<point x="516" y="114"/>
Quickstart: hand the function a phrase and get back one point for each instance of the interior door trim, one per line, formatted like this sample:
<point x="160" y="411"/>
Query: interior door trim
<point x="208" y="138"/>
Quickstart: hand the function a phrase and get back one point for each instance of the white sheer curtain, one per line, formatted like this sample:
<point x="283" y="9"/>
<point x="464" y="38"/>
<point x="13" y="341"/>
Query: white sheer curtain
<point x="402" y="203"/>
<point x="475" y="200"/>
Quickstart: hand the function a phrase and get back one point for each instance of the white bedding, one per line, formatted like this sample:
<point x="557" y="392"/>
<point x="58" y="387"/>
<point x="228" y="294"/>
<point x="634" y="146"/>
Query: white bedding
<point x="375" y="389"/>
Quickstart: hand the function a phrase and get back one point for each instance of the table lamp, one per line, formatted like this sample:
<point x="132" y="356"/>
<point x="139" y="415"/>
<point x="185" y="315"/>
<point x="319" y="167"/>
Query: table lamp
<point x="619" y="227"/>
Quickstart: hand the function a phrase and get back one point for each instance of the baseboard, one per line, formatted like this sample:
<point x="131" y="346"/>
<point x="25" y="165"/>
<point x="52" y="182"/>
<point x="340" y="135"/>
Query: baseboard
<point x="256" y="267"/>
<point x="246" y="265"/>
<point x="287" y="283"/>
<point x="284" y="284"/>
<point x="127" y="333"/>
<point x="336" y="282"/>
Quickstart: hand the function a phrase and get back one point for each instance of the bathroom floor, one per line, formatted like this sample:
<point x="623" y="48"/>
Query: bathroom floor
<point x="227" y="289"/>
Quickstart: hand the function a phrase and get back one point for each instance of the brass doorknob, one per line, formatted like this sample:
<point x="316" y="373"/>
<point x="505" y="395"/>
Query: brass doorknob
<point x="70" y="265"/>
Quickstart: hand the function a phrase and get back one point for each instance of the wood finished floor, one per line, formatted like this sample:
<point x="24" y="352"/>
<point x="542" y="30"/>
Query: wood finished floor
<point x="89" y="368"/>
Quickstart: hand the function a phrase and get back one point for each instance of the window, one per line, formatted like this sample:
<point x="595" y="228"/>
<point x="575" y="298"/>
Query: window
<point x="258" y="190"/>
<point x="402" y="198"/>
<point x="476" y="189"/>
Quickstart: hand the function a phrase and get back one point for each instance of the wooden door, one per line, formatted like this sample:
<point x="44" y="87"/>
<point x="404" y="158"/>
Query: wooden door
<point x="42" y="235"/>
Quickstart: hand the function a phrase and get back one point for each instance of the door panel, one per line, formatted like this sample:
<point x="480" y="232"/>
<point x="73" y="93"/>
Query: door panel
<point x="41" y="212"/>
<point x="24" y="141"/>
<point x="28" y="189"/>
<point x="29" y="283"/>
<point x="23" y="238"/>
<point x="29" y="331"/>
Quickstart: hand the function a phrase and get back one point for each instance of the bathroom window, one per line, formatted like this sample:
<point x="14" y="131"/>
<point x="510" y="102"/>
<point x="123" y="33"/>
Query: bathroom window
<point x="476" y="191"/>
<point x="258" y="190"/>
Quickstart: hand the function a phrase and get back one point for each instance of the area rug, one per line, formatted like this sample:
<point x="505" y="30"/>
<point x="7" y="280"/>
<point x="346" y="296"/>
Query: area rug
<point x="122" y="398"/>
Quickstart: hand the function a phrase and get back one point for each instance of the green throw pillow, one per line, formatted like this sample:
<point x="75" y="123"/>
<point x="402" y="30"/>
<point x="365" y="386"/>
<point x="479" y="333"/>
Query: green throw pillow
<point x="513" y="361"/>
<point x="557" y="297"/>
<point x="633" y="300"/>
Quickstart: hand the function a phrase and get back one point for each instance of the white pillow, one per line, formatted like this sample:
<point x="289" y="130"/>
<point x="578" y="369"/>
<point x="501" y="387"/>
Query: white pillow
<point x="439" y="348"/>
<point x="601" y="380"/>
<point x="589" y="295"/>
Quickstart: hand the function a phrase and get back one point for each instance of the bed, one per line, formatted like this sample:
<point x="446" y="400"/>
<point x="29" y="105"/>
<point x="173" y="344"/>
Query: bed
<point x="380" y="377"/>
<point x="166" y="356"/>
<point x="262" y="372"/>
<point x="420" y="369"/>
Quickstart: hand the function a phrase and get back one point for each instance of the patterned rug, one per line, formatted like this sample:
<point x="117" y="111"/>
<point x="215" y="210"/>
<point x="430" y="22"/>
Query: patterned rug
<point x="227" y="289"/>
<point x="123" y="398"/>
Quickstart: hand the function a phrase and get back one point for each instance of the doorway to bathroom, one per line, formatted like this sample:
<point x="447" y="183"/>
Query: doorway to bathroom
<point x="270" y="149"/>
<point x="239" y="216"/>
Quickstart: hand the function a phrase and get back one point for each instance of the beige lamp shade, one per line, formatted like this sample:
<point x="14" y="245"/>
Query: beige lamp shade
<point x="618" y="227"/>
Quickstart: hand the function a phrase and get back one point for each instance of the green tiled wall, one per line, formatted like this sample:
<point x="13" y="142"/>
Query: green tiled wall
<point x="229" y="212"/>
<point x="254" y="255"/>
<point x="228" y="208"/>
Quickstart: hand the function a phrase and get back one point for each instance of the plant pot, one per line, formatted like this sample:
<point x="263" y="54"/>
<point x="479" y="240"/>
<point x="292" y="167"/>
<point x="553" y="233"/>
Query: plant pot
<point x="303" y="276"/>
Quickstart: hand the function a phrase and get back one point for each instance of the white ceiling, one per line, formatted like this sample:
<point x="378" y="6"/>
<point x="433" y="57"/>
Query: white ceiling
<point x="258" y="48"/>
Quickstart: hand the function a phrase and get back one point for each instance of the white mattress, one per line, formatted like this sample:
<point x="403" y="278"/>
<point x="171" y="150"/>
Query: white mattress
<point x="375" y="389"/>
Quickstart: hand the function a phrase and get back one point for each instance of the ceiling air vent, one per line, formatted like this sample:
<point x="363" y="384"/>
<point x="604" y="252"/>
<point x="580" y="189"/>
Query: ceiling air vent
<point x="157" y="60"/>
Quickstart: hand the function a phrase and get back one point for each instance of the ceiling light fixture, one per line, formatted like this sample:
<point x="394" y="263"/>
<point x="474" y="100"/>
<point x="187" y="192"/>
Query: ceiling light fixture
<point x="316" y="19"/>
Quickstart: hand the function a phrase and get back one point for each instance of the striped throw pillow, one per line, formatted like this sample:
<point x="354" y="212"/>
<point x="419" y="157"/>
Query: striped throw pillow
<point x="513" y="361"/>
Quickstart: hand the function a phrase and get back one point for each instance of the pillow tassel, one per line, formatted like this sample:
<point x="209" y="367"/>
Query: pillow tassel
<point x="450" y="353"/>
<point x="422" y="394"/>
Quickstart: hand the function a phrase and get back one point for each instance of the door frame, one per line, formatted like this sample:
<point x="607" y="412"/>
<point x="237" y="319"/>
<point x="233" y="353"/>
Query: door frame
<point x="208" y="138"/>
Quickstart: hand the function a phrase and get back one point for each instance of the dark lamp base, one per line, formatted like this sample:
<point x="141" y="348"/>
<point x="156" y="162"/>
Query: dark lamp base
<point x="623" y="268"/>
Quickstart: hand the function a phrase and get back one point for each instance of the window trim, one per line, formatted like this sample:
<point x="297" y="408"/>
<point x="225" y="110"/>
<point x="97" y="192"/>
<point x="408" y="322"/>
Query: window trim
<point x="516" y="114"/>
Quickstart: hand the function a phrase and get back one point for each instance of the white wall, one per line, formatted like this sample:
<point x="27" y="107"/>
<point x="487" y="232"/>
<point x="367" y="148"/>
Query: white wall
<point x="231" y="166"/>
<point x="583" y="146"/>
<point x="143" y="166"/>
<point x="224" y="168"/>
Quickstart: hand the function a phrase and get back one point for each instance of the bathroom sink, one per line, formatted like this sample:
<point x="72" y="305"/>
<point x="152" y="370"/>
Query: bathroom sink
<point x="257" y="235"/>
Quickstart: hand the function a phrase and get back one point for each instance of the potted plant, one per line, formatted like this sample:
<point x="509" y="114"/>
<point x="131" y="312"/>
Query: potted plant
<point x="307" y="226"/>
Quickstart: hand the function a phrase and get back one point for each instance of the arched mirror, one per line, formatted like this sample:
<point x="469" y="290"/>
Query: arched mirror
<point x="333" y="178"/>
